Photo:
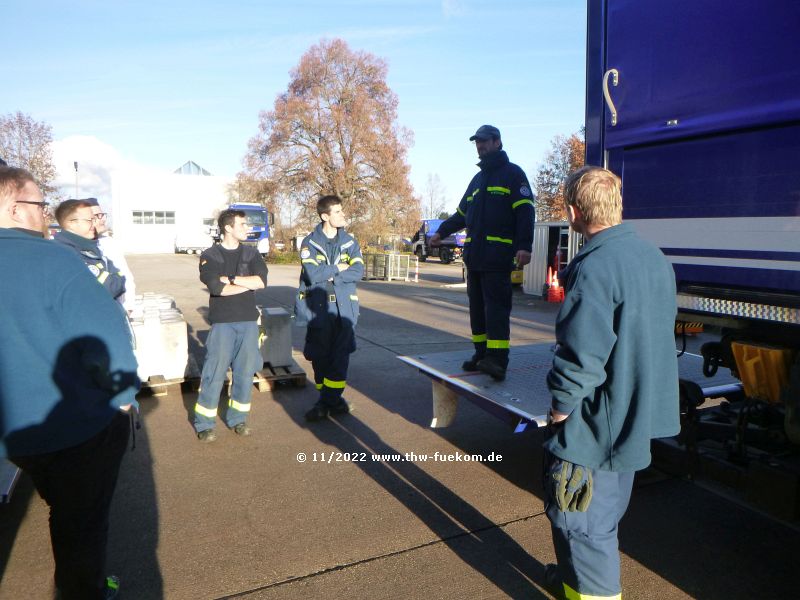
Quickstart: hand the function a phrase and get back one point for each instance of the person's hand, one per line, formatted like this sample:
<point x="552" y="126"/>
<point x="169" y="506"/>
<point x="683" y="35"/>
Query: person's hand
<point x="523" y="258"/>
<point x="342" y="267"/>
<point x="557" y="417"/>
<point x="435" y="240"/>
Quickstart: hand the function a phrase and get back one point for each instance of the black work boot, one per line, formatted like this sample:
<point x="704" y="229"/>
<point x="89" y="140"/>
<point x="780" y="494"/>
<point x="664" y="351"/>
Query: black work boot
<point x="318" y="412"/>
<point x="343" y="407"/>
<point x="492" y="367"/>
<point x="472" y="363"/>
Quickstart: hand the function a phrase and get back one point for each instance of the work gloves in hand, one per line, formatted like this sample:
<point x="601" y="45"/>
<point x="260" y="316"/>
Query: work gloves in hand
<point x="570" y="485"/>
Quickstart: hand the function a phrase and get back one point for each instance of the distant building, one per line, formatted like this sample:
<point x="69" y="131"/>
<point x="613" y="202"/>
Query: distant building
<point x="151" y="210"/>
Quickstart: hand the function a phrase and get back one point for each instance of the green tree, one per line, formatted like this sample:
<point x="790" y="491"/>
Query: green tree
<point x="334" y="131"/>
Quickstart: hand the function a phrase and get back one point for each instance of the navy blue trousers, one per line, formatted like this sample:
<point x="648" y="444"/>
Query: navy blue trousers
<point x="586" y="543"/>
<point x="233" y="345"/>
<point x="328" y="347"/>
<point x="489" y="295"/>
<point x="78" y="483"/>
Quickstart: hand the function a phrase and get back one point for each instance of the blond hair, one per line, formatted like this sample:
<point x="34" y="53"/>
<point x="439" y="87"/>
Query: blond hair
<point x="597" y="193"/>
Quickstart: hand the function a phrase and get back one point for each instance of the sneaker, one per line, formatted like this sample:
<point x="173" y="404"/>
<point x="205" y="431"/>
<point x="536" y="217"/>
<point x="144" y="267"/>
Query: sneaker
<point x="242" y="429"/>
<point x="207" y="435"/>
<point x="471" y="364"/>
<point x="317" y="412"/>
<point x="492" y="368"/>
<point x="112" y="587"/>
<point x="342" y="408"/>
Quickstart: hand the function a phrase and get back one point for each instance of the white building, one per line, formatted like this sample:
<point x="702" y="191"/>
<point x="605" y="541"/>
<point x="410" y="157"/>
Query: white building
<point x="151" y="210"/>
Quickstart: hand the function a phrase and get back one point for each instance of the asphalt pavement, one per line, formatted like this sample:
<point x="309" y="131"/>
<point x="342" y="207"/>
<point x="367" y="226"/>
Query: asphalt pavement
<point x="327" y="510"/>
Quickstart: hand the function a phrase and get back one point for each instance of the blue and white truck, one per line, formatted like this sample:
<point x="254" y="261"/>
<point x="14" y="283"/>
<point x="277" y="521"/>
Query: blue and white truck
<point x="696" y="106"/>
<point x="259" y="220"/>
<point x="450" y="249"/>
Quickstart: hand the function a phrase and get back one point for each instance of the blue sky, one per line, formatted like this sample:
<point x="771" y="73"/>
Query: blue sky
<point x="158" y="84"/>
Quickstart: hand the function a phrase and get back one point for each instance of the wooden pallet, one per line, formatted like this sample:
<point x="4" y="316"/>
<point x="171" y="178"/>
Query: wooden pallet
<point x="158" y="385"/>
<point x="268" y="378"/>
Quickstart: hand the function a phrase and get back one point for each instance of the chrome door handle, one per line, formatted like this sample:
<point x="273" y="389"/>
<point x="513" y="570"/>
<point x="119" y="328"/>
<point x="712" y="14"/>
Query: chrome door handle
<point x="613" y="74"/>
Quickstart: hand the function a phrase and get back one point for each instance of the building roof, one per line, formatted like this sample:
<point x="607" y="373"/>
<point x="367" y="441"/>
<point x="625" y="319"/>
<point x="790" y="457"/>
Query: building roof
<point x="191" y="168"/>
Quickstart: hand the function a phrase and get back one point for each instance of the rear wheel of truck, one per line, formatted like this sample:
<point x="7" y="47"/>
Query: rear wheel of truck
<point x="420" y="255"/>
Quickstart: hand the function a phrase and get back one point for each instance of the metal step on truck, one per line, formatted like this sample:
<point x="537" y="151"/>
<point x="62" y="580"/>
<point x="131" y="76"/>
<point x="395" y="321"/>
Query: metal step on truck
<point x="696" y="106"/>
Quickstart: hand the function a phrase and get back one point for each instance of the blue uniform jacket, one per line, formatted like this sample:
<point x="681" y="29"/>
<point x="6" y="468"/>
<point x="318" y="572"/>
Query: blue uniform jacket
<point x="101" y="268"/>
<point x="615" y="369"/>
<point x="66" y="360"/>
<point x="325" y="290"/>
<point x="497" y="210"/>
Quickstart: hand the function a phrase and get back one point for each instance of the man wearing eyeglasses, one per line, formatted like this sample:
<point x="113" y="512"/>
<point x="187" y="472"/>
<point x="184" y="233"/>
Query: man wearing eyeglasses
<point x="111" y="250"/>
<point x="78" y="233"/>
<point x="68" y="374"/>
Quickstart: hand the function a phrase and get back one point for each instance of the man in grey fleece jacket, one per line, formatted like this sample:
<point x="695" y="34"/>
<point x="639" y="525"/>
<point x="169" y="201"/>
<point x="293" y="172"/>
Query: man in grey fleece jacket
<point x="614" y="384"/>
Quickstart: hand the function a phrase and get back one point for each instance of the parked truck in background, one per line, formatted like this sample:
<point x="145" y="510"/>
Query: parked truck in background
<point x="451" y="247"/>
<point x="259" y="220"/>
<point x="696" y="106"/>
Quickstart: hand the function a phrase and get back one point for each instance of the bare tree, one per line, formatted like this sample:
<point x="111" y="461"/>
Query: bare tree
<point x="334" y="131"/>
<point x="434" y="198"/>
<point x="27" y="143"/>
<point x="566" y="155"/>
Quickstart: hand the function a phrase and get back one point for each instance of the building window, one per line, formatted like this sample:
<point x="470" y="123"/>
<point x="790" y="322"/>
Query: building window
<point x="149" y="217"/>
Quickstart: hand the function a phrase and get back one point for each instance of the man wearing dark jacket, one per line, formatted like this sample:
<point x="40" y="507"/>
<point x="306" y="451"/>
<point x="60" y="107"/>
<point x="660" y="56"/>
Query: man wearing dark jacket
<point x="497" y="210"/>
<point x="327" y="302"/>
<point x="614" y="384"/>
<point x="67" y="373"/>
<point x="232" y="271"/>
<point x="78" y="233"/>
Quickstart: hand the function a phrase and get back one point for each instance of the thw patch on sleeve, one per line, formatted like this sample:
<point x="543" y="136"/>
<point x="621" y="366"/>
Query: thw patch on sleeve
<point x="305" y="253"/>
<point x="524" y="191"/>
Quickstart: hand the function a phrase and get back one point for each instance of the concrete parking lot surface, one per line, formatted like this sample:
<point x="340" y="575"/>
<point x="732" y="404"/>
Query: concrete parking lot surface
<point x="252" y="518"/>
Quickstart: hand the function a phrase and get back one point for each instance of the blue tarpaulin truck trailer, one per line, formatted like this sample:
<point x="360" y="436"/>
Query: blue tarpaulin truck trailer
<point x="696" y="106"/>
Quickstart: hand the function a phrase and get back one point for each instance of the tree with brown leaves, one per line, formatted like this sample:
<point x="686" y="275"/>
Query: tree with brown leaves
<point x="334" y="131"/>
<point x="25" y="143"/>
<point x="566" y="155"/>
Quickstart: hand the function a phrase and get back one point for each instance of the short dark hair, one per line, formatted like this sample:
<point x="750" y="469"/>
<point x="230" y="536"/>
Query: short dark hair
<point x="92" y="201"/>
<point x="325" y="204"/>
<point x="67" y="208"/>
<point x="12" y="180"/>
<point x="227" y="217"/>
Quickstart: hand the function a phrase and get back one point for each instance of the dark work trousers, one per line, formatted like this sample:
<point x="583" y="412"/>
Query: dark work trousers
<point x="586" y="542"/>
<point x="233" y="345"/>
<point x="78" y="483"/>
<point x="328" y="348"/>
<point x="489" y="295"/>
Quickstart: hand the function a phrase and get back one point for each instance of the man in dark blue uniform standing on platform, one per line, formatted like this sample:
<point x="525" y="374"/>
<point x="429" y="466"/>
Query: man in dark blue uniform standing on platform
<point x="497" y="211"/>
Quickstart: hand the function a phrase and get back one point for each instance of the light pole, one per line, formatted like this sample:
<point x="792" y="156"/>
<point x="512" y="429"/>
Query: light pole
<point x="75" y="163"/>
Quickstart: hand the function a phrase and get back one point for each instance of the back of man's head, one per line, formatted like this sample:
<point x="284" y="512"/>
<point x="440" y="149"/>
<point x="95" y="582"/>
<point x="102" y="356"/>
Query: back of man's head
<point x="67" y="208"/>
<point x="326" y="203"/>
<point x="12" y="180"/>
<point x="597" y="193"/>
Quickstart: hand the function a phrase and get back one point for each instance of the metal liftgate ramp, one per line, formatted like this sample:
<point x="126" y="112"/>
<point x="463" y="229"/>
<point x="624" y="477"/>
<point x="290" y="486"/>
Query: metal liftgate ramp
<point x="522" y="398"/>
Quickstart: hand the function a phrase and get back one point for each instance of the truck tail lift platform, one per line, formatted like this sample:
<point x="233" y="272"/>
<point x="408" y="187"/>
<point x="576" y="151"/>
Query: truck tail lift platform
<point x="522" y="398"/>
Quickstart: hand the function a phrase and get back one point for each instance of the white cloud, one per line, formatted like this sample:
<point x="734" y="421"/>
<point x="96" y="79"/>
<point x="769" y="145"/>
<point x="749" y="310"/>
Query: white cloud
<point x="96" y="163"/>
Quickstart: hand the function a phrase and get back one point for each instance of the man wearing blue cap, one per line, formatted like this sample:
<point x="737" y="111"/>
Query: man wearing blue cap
<point x="497" y="211"/>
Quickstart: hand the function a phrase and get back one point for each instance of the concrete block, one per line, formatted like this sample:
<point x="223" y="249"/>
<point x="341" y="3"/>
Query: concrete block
<point x="276" y="345"/>
<point x="161" y="340"/>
